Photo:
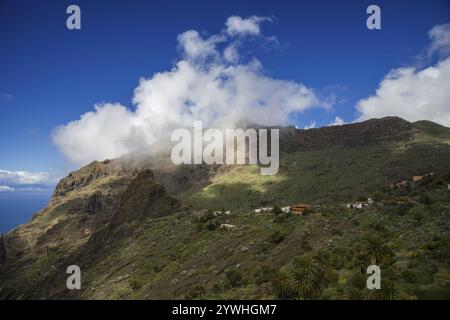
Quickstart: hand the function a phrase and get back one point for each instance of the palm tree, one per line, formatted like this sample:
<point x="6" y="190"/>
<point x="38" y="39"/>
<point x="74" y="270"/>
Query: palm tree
<point x="376" y="250"/>
<point x="361" y="262"/>
<point x="307" y="276"/>
<point x="283" y="286"/>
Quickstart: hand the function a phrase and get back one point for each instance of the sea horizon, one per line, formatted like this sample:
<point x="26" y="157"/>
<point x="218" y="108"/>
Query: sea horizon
<point x="17" y="208"/>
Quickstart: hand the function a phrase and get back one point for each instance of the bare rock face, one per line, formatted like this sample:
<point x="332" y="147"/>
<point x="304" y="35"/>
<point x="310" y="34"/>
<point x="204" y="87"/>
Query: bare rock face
<point x="85" y="176"/>
<point x="144" y="198"/>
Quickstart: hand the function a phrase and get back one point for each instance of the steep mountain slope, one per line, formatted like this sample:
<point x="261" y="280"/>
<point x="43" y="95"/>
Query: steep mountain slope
<point x="132" y="230"/>
<point x="333" y="164"/>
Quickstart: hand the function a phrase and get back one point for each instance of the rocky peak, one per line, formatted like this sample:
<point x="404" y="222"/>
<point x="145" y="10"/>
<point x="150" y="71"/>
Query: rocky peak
<point x="85" y="176"/>
<point x="144" y="197"/>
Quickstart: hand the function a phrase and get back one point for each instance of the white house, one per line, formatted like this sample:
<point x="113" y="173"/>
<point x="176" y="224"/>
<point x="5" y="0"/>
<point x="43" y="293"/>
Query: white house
<point x="357" y="205"/>
<point x="228" y="226"/>
<point x="286" y="209"/>
<point x="263" y="209"/>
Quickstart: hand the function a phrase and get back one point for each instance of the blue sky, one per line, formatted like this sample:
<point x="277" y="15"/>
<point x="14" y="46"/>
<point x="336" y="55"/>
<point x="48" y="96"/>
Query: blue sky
<point x="50" y="76"/>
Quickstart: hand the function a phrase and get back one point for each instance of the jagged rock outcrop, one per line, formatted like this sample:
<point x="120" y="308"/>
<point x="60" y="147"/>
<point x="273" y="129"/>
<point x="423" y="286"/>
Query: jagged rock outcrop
<point x="144" y="198"/>
<point x="87" y="175"/>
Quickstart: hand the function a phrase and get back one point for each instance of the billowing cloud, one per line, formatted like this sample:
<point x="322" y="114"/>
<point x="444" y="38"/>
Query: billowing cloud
<point x="6" y="189"/>
<point x="103" y="133"/>
<point x="195" y="47"/>
<point x="210" y="83"/>
<point x="412" y="93"/>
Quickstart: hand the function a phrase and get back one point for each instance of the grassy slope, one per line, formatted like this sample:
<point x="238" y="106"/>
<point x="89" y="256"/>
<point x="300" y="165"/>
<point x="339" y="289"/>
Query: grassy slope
<point x="170" y="257"/>
<point x="327" y="175"/>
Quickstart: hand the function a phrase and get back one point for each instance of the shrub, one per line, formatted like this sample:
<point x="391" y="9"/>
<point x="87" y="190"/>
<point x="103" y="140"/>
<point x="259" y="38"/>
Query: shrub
<point x="263" y="273"/>
<point x="378" y="196"/>
<point x="277" y="210"/>
<point x="418" y="217"/>
<point x="401" y="210"/>
<point x="195" y="292"/>
<point x="277" y="237"/>
<point x="135" y="285"/>
<point x="280" y="218"/>
<point x="211" y="225"/>
<point x="357" y="280"/>
<point x="233" y="278"/>
<point x="425" y="199"/>
<point x="409" y="276"/>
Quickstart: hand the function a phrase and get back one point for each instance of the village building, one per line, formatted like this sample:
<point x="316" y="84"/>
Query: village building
<point x="359" y="204"/>
<point x="263" y="209"/>
<point x="286" y="209"/>
<point x="402" y="184"/>
<point x="299" y="208"/>
<point x="228" y="226"/>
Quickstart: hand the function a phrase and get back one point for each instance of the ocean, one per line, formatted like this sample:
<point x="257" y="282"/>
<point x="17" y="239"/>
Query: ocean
<point x="18" y="207"/>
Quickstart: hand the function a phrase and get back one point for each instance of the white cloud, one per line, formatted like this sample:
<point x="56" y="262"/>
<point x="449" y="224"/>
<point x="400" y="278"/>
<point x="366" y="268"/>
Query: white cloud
<point x="412" y="94"/>
<point x="99" y="134"/>
<point x="338" y="121"/>
<point x="231" y="54"/>
<point x="311" y="125"/>
<point x="17" y="178"/>
<point x="249" y="26"/>
<point x="6" y="189"/>
<point x="415" y="93"/>
<point x="208" y="84"/>
<point x="195" y="47"/>
<point x="440" y="40"/>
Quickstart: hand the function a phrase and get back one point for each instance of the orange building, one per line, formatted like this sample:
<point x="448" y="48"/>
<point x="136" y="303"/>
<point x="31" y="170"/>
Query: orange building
<point x="299" y="208"/>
